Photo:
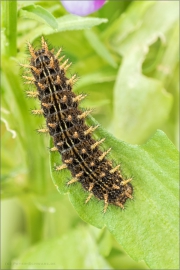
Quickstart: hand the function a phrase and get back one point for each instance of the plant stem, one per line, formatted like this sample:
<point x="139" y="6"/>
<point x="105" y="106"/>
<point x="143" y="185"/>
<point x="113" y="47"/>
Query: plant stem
<point x="9" y="23"/>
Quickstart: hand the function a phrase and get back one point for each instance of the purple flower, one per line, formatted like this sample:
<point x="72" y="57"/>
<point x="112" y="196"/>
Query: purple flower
<point x="82" y="7"/>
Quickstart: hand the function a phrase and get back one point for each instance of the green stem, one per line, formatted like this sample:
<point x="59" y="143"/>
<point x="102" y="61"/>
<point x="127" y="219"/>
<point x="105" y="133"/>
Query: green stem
<point x="9" y="23"/>
<point x="34" y="219"/>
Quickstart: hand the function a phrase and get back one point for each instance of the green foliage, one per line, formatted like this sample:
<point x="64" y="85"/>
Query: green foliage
<point x="39" y="14"/>
<point x="143" y="115"/>
<point x="61" y="253"/>
<point x="150" y="217"/>
<point x="127" y="57"/>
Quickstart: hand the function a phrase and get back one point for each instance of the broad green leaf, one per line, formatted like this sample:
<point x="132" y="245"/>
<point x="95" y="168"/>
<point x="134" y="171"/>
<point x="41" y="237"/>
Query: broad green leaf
<point x="65" y="23"/>
<point x="127" y="23"/>
<point x="99" y="47"/>
<point x="167" y="71"/>
<point x="76" y="250"/>
<point x="141" y="104"/>
<point x="151" y="23"/>
<point x="39" y="14"/>
<point x="152" y="215"/>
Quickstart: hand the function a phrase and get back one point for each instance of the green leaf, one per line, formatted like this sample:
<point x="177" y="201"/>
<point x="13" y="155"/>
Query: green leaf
<point x="39" y="14"/>
<point x="99" y="47"/>
<point x="148" y="227"/>
<point x="65" y="23"/>
<point x="141" y="104"/>
<point x="73" y="22"/>
<point x="76" y="250"/>
<point x="96" y="77"/>
<point x="142" y="24"/>
<point x="162" y="63"/>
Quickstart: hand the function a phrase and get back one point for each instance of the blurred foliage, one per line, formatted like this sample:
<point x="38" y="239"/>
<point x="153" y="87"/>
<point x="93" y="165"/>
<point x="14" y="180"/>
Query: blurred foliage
<point x="126" y="55"/>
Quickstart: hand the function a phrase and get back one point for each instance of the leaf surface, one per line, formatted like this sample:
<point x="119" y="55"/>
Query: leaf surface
<point x="141" y="104"/>
<point x="152" y="215"/>
<point x="39" y="14"/>
<point x="77" y="250"/>
<point x="65" y="23"/>
<point x="73" y="22"/>
<point x="99" y="47"/>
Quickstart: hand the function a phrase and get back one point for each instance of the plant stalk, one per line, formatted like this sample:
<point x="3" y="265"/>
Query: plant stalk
<point x="9" y="24"/>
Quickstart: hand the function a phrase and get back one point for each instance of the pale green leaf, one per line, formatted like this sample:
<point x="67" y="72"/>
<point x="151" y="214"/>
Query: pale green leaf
<point x="65" y="23"/>
<point x="163" y="64"/>
<point x="152" y="215"/>
<point x="153" y="20"/>
<point x="99" y="47"/>
<point x="96" y="77"/>
<point x="76" y="250"/>
<point x="39" y="14"/>
<point x="73" y="22"/>
<point x="141" y="104"/>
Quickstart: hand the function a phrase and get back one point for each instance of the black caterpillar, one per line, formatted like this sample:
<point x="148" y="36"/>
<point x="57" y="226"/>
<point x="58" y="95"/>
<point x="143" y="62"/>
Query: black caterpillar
<point x="73" y="139"/>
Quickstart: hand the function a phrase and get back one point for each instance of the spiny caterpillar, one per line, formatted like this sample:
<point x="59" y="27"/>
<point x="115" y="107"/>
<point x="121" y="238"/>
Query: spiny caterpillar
<point x="72" y="137"/>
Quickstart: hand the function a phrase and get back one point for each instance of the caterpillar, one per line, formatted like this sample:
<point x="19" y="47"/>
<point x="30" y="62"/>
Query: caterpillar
<point x="73" y="139"/>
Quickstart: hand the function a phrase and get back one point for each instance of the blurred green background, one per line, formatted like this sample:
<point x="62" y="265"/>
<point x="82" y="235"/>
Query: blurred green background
<point x="126" y="55"/>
